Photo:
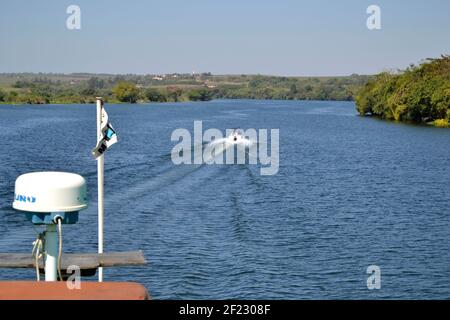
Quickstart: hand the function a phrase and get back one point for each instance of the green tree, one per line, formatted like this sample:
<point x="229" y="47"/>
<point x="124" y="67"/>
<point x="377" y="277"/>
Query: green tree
<point x="22" y="84"/>
<point x="202" y="94"/>
<point x="420" y="93"/>
<point x="2" y="95"/>
<point x="126" y="92"/>
<point x="155" y="95"/>
<point x="174" y="93"/>
<point x="88" y="92"/>
<point x="95" y="83"/>
<point x="293" y="90"/>
<point x="12" y="97"/>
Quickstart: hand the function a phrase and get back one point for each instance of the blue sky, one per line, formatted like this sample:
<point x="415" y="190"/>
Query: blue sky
<point x="280" y="37"/>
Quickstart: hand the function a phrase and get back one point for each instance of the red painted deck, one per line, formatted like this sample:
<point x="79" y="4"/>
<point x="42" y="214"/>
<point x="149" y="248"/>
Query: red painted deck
<point x="32" y="290"/>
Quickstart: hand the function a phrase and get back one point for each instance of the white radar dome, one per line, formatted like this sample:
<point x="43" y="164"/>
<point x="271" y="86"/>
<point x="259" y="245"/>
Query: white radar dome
<point x="50" y="192"/>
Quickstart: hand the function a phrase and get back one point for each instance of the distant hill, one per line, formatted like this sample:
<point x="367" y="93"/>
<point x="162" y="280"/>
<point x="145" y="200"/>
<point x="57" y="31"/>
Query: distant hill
<point x="83" y="87"/>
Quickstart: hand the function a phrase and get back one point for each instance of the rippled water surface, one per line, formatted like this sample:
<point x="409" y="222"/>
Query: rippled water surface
<point x="351" y="192"/>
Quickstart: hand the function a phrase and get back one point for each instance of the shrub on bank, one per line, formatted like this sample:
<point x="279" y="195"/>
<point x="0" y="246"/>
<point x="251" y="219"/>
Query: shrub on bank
<point x="419" y="94"/>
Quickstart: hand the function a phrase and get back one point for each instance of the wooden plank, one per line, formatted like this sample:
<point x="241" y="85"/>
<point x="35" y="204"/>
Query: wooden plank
<point x="31" y="290"/>
<point x="129" y="258"/>
<point x="16" y="260"/>
<point x="83" y="260"/>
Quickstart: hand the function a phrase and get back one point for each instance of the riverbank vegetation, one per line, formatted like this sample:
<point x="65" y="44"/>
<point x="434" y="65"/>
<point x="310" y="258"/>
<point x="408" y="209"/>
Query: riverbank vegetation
<point x="419" y="94"/>
<point x="83" y="88"/>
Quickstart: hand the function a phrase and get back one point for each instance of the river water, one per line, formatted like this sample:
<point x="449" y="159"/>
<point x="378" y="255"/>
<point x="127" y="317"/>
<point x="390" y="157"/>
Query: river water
<point x="350" y="192"/>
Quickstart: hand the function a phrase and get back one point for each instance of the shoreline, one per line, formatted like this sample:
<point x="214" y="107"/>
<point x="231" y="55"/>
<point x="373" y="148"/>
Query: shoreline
<point x="166" y="102"/>
<point x="435" y="123"/>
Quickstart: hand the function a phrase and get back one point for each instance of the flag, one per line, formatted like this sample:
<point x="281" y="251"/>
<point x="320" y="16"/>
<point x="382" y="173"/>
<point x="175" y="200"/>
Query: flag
<point x="108" y="137"/>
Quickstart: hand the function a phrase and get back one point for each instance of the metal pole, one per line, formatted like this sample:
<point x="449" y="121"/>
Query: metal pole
<point x="100" y="170"/>
<point x="51" y="253"/>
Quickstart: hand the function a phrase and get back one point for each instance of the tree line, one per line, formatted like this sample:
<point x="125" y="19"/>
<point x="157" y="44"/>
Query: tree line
<point x="83" y="88"/>
<point x="129" y="92"/>
<point x="419" y="94"/>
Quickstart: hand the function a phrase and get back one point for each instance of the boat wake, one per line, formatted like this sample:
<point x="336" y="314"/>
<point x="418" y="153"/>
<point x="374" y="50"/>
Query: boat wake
<point x="167" y="174"/>
<point x="218" y="147"/>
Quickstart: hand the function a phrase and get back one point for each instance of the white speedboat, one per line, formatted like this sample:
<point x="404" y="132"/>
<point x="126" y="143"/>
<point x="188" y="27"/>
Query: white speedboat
<point x="236" y="136"/>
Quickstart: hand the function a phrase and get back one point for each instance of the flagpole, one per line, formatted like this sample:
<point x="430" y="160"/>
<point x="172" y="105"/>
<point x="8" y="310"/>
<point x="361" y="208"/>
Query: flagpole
<point x="100" y="172"/>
